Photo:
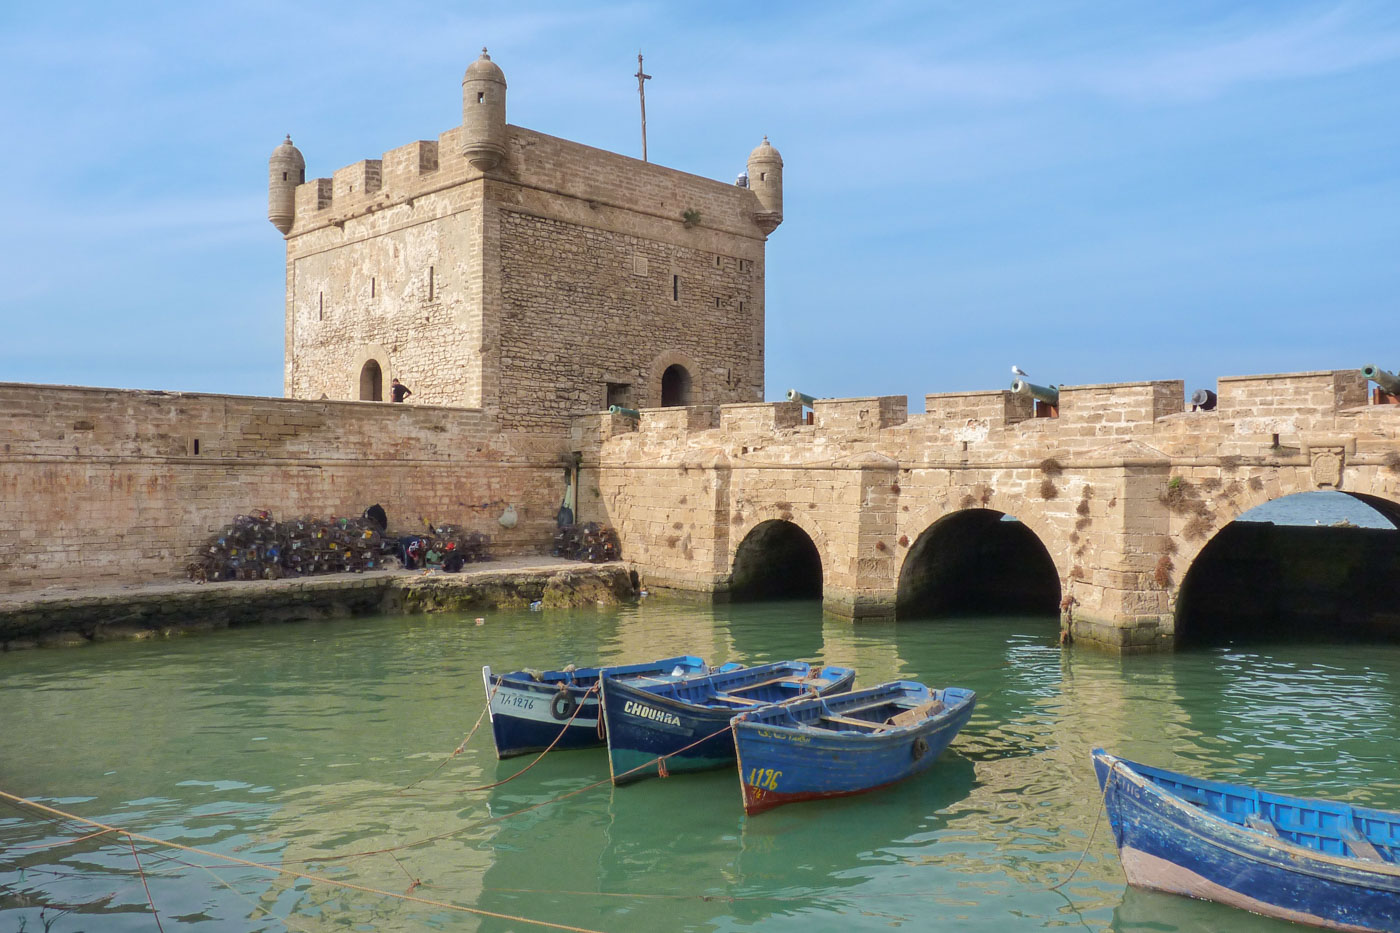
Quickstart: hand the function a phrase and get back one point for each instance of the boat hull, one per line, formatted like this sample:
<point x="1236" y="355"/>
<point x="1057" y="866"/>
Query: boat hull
<point x="1168" y="843"/>
<point x="560" y="709"/>
<point x="781" y="764"/>
<point x="643" y="727"/>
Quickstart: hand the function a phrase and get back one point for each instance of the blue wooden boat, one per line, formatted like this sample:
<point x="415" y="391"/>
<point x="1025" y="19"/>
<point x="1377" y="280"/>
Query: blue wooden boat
<point x="528" y="709"/>
<point x="688" y="718"/>
<point x="847" y="744"/>
<point x="1311" y="861"/>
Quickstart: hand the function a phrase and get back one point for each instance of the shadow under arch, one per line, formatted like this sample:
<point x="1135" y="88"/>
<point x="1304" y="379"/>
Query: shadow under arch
<point x="1261" y="580"/>
<point x="776" y="560"/>
<point x="972" y="562"/>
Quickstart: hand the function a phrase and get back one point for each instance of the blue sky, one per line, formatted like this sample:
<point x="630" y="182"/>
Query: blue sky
<point x="1095" y="191"/>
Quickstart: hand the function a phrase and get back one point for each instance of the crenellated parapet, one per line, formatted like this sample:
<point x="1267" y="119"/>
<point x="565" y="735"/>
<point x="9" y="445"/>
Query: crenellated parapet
<point x="1280" y="408"/>
<point x="485" y="145"/>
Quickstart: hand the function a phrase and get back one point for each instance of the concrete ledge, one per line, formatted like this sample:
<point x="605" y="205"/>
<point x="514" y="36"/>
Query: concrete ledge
<point x="136" y="612"/>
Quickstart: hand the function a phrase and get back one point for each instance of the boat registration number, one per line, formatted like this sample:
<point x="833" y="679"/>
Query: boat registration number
<point x="515" y="701"/>
<point x="766" y="778"/>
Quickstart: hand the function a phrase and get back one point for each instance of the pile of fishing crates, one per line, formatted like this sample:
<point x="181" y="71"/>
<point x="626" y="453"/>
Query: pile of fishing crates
<point x="590" y="542"/>
<point x="254" y="547"/>
<point x="446" y="547"/>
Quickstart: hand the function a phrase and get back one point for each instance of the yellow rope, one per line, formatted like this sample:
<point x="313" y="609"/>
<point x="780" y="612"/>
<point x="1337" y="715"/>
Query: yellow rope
<point x="314" y="879"/>
<point x="461" y="746"/>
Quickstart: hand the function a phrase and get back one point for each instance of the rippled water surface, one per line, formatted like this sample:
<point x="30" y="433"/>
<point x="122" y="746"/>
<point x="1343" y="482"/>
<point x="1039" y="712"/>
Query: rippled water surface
<point x="292" y="746"/>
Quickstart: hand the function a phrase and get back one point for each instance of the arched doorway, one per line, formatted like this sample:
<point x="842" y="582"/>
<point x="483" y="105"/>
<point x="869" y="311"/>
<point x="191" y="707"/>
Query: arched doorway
<point x="675" y="386"/>
<point x="371" y="382"/>
<point x="776" y="560"/>
<point x="1321" y="566"/>
<point x="977" y="562"/>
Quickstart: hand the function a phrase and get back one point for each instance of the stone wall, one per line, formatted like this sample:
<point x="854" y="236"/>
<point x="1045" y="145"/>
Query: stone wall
<point x="393" y="288"/>
<point x="583" y="307"/>
<point x="108" y="486"/>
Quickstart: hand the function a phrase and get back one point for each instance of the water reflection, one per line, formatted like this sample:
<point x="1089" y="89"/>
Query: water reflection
<point x="291" y="744"/>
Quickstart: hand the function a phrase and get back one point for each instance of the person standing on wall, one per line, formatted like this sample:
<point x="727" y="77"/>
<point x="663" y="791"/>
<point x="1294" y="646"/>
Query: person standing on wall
<point x="398" y="391"/>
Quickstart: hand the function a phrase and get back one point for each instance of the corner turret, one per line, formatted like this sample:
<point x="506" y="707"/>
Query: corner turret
<point x="285" y="170"/>
<point x="766" y="182"/>
<point x="484" y="113"/>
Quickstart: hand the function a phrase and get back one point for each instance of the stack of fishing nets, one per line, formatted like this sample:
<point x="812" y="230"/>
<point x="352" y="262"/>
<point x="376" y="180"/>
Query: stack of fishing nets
<point x="592" y="542"/>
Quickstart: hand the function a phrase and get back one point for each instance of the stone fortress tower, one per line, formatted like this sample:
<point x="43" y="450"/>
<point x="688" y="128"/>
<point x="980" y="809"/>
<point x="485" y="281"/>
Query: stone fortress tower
<point x="536" y="278"/>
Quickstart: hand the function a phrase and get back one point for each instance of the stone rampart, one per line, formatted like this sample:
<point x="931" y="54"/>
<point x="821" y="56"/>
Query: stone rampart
<point x="1123" y="488"/>
<point x="113" y="486"/>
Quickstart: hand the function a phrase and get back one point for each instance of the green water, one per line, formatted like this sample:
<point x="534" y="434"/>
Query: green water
<point x="291" y="743"/>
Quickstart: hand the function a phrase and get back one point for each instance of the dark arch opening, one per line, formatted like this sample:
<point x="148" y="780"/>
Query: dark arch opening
<point x="776" y="560"/>
<point x="675" y="386"/>
<point x="371" y="382"/>
<point x="975" y="563"/>
<point x="1306" y="567"/>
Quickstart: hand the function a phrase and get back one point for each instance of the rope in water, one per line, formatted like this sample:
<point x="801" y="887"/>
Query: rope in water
<point x="274" y="869"/>
<point x="461" y="746"/>
<point x="577" y="709"/>
<point x="350" y="886"/>
<point x="1098" y="816"/>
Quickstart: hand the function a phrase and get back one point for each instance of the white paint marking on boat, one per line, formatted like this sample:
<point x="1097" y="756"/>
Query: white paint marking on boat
<point x="486" y="679"/>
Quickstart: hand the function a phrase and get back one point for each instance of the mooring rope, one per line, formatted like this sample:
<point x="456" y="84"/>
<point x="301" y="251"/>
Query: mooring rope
<point x="462" y="745"/>
<point x="1098" y="816"/>
<point x="577" y="709"/>
<point x="274" y="869"/>
<point x="142" y="872"/>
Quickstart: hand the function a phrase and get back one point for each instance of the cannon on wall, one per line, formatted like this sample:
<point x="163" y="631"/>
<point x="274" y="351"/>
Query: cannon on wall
<point x="1204" y="399"/>
<point x="1047" y="394"/>
<point x="1386" y="380"/>
<point x="625" y="412"/>
<point x="795" y="396"/>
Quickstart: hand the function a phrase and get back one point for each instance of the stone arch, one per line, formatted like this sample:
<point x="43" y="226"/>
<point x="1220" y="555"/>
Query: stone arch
<point x="1366" y="484"/>
<point x="761" y="514"/>
<point x="1024" y="511"/>
<point x="1032" y="587"/>
<point x="657" y="370"/>
<point x="373" y="353"/>
<point x="371" y="382"/>
<point x="776" y="559"/>
<point x="1253" y="580"/>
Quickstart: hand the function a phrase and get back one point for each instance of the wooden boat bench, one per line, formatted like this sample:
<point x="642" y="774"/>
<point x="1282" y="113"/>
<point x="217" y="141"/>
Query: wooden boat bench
<point x="916" y="715"/>
<point x="1359" y="844"/>
<point x="742" y="701"/>
<point x="863" y="723"/>
<point x="1261" y="823"/>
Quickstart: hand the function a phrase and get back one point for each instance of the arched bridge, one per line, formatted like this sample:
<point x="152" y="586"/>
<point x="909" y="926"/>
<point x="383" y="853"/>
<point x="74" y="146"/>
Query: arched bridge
<point x="1114" y="499"/>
